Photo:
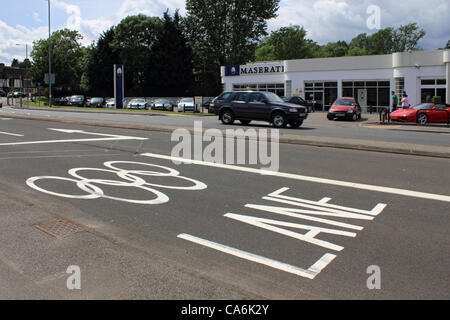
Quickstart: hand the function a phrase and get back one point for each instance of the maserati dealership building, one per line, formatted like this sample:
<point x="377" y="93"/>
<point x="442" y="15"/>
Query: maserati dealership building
<point x="370" y="79"/>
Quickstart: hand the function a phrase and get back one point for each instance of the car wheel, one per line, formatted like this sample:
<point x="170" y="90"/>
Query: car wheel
<point x="354" y="116"/>
<point x="295" y="124"/>
<point x="245" y="122"/>
<point x="279" y="120"/>
<point x="227" y="117"/>
<point x="422" y="118"/>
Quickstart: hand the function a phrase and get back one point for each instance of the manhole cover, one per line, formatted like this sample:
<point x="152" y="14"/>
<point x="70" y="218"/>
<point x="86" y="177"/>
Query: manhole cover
<point x="61" y="228"/>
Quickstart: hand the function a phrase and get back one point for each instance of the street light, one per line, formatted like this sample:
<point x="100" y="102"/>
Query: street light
<point x="26" y="49"/>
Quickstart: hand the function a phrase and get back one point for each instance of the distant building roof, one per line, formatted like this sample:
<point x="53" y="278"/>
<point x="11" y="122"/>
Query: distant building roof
<point x="13" y="73"/>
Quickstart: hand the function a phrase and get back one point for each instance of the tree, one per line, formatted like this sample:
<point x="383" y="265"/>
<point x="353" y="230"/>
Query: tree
<point x="381" y="42"/>
<point x="134" y="38"/>
<point x="284" y="44"/>
<point x="331" y="49"/>
<point x="406" y="37"/>
<point x="225" y="33"/>
<point x="387" y="41"/>
<point x="66" y="55"/>
<point x="99" y="71"/>
<point x="15" y="63"/>
<point x="448" y="45"/>
<point x="171" y="70"/>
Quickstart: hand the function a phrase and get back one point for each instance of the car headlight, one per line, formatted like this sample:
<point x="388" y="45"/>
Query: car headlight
<point x="350" y="111"/>
<point x="293" y="110"/>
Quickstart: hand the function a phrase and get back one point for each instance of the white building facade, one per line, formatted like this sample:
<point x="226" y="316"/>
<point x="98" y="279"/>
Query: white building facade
<point x="370" y="79"/>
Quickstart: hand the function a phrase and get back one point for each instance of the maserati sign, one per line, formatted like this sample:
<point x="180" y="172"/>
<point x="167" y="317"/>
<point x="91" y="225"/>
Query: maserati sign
<point x="253" y="69"/>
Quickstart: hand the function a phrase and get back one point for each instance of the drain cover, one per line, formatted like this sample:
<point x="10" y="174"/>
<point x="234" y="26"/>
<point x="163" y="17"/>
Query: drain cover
<point x="61" y="228"/>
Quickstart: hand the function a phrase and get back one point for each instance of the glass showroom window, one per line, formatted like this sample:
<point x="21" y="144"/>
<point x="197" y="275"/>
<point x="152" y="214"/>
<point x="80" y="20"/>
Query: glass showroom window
<point x="324" y="93"/>
<point x="277" y="88"/>
<point x="377" y="91"/>
<point x="432" y="87"/>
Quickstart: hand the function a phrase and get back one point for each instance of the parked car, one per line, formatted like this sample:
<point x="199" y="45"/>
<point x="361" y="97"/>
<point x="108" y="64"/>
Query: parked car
<point x="345" y="108"/>
<point x="18" y="94"/>
<point x="162" y="104"/>
<point x="2" y="93"/>
<point x="246" y="106"/>
<point x="423" y="113"/>
<point x="186" y="104"/>
<point x="111" y="103"/>
<point x="76" y="100"/>
<point x="137" y="104"/>
<point x="96" y="102"/>
<point x="1" y="104"/>
<point x="300" y="101"/>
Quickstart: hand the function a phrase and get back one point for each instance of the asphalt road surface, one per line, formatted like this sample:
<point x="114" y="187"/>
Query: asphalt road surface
<point x="330" y="224"/>
<point x="315" y="125"/>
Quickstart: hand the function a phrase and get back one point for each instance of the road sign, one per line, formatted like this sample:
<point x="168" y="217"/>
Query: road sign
<point x="49" y="78"/>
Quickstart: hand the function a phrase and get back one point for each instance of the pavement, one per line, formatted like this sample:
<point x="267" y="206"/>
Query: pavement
<point x="371" y="121"/>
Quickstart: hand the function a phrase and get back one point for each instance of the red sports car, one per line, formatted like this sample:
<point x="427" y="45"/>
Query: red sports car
<point x="423" y="113"/>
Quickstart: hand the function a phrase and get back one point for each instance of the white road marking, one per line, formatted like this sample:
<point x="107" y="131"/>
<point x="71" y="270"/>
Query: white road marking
<point x="11" y="134"/>
<point x="310" y="236"/>
<point x="130" y="178"/>
<point x="309" y="273"/>
<point x="107" y="137"/>
<point x="389" y="190"/>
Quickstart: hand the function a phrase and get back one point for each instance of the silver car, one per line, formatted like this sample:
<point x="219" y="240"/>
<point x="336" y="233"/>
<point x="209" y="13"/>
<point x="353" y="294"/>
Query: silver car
<point x="162" y="104"/>
<point x="186" y="104"/>
<point x="137" y="104"/>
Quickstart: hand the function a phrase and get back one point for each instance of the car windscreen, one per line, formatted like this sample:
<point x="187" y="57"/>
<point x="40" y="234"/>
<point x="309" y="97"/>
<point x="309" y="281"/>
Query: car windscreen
<point x="96" y="100"/>
<point x="162" y="101"/>
<point x="187" y="100"/>
<point x="77" y="98"/>
<point x="422" y="106"/>
<point x="138" y="101"/>
<point x="272" y="97"/>
<point x="343" y="102"/>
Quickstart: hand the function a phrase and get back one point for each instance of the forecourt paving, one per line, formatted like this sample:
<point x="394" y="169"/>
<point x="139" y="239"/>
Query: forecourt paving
<point x="198" y="230"/>
<point x="317" y="131"/>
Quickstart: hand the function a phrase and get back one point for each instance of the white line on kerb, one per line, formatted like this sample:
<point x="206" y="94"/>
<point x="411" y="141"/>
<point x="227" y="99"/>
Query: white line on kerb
<point x="310" y="273"/>
<point x="11" y="134"/>
<point x="402" y="192"/>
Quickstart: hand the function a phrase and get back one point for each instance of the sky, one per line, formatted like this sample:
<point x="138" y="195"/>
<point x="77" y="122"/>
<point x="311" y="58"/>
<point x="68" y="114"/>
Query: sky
<point x="25" y="21"/>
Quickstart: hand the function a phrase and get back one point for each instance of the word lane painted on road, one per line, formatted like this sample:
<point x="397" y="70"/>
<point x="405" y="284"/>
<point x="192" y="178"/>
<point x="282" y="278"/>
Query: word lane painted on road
<point x="317" y="211"/>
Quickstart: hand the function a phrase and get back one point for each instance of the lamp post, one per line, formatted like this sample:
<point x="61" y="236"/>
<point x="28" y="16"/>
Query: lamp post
<point x="26" y="49"/>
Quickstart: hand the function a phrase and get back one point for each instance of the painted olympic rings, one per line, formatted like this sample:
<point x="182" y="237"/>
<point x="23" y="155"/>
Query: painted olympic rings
<point x="130" y="178"/>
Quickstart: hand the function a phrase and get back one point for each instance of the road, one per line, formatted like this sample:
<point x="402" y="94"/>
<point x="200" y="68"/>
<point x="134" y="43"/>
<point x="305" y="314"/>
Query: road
<point x="154" y="229"/>
<point x="315" y="125"/>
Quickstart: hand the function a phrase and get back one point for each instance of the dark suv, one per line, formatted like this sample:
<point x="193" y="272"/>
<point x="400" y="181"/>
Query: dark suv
<point x="246" y="106"/>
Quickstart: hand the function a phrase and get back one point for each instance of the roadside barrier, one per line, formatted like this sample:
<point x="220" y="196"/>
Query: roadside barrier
<point x="384" y="114"/>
